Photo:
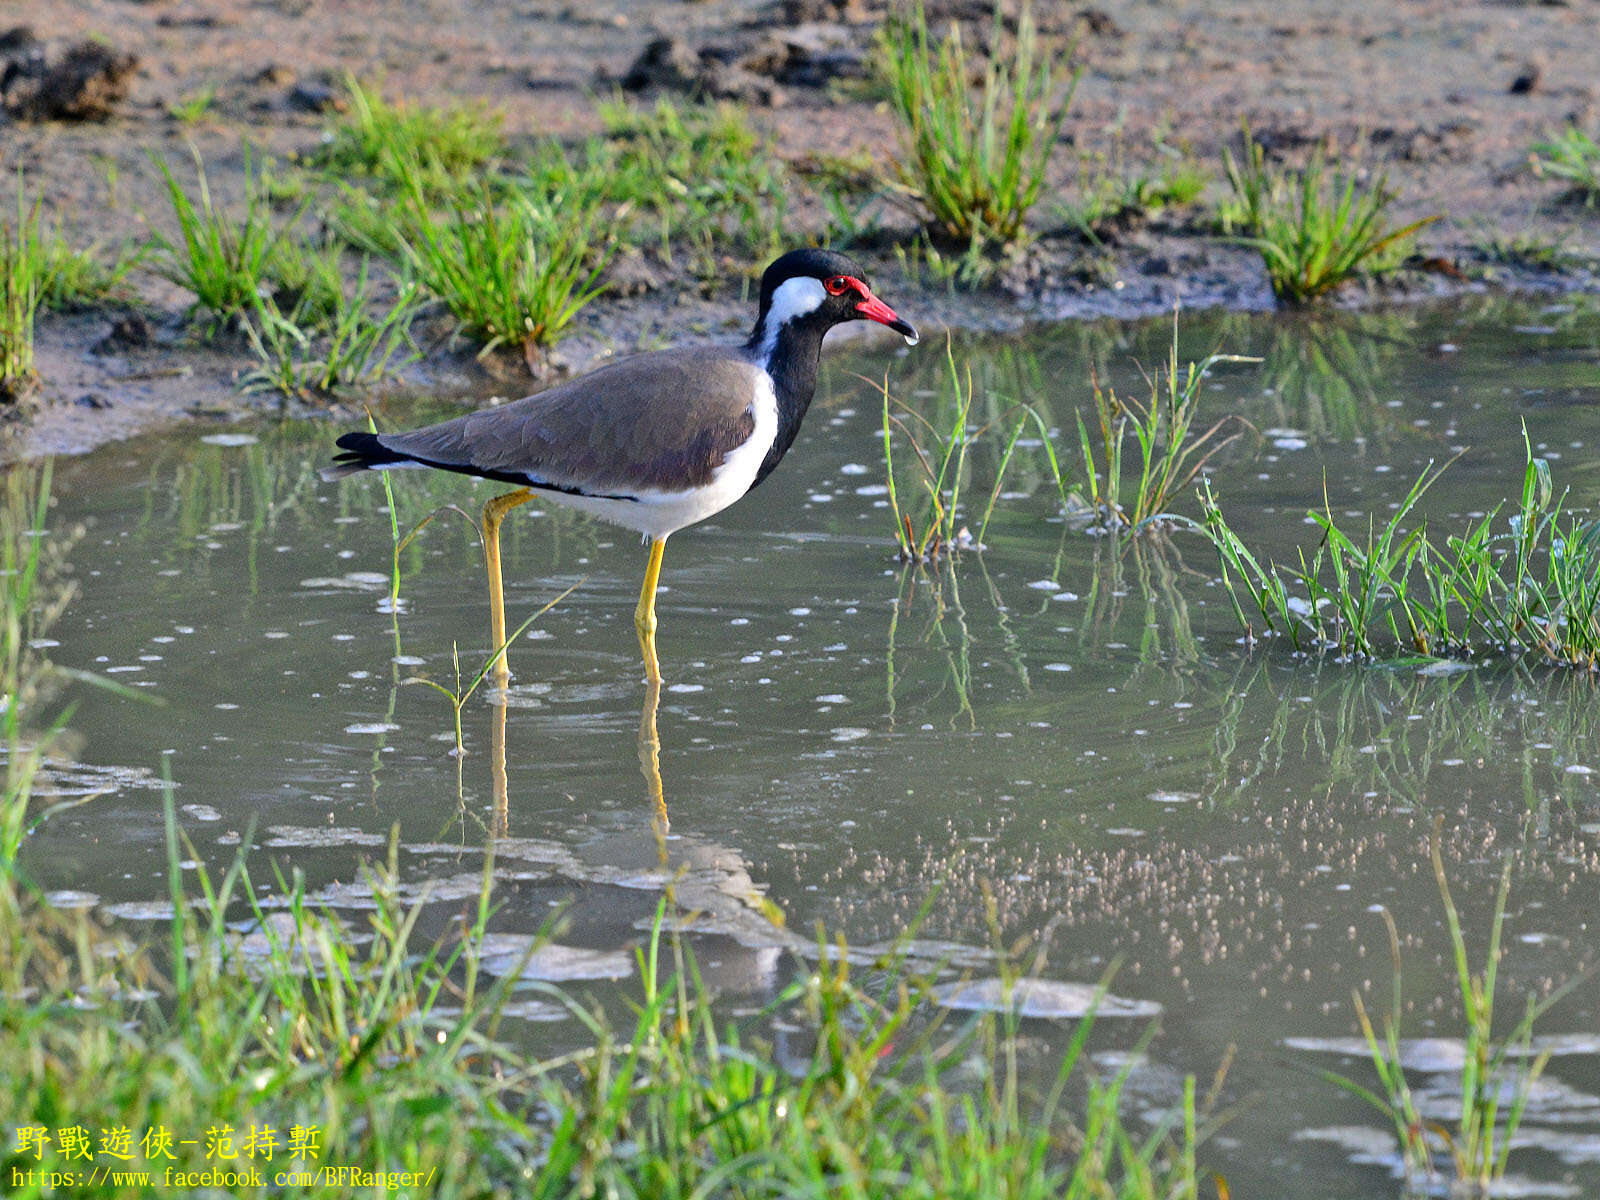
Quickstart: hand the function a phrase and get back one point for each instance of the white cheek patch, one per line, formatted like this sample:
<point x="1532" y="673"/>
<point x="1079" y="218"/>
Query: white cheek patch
<point x="796" y="298"/>
<point x="793" y="298"/>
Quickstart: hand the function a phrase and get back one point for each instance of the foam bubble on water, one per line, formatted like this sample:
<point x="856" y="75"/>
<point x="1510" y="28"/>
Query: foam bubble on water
<point x="140" y="910"/>
<point x="372" y="727"/>
<point x="503" y="953"/>
<point x="1044" y="998"/>
<point x="230" y="439"/>
<point x="289" y="836"/>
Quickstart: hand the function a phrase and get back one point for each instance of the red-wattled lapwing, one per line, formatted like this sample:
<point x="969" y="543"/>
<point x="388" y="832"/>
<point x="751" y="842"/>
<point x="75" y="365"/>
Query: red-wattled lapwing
<point x="654" y="442"/>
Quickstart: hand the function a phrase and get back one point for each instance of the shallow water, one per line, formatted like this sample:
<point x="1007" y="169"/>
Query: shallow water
<point x="1077" y="738"/>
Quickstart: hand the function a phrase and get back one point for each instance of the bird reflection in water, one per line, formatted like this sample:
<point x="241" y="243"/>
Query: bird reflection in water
<point x="649" y="746"/>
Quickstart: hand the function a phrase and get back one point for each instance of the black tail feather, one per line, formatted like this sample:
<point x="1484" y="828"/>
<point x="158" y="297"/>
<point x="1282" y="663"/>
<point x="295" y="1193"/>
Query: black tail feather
<point x="362" y="451"/>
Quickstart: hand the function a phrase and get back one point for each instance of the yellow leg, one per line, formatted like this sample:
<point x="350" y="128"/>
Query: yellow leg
<point x="493" y="513"/>
<point x="644" y="617"/>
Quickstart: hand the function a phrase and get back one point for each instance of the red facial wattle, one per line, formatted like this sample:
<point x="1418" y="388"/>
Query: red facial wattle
<point x="874" y="309"/>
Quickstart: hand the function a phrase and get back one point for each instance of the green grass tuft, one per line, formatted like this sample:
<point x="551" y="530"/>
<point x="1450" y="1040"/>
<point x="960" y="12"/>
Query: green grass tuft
<point x="512" y="270"/>
<point x="974" y="161"/>
<point x="1170" y="454"/>
<point x="195" y="106"/>
<point x="224" y="261"/>
<point x="1110" y="195"/>
<point x="1497" y="1074"/>
<point x="66" y="277"/>
<point x="308" y="353"/>
<point x="392" y="142"/>
<point x="1573" y="157"/>
<point x="695" y="176"/>
<point x="1523" y="583"/>
<point x="19" y="304"/>
<point x="1314" y="233"/>
<point x="940" y="454"/>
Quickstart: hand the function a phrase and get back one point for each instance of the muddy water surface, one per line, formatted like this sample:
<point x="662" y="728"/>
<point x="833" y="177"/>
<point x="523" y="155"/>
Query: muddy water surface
<point x="1072" y="735"/>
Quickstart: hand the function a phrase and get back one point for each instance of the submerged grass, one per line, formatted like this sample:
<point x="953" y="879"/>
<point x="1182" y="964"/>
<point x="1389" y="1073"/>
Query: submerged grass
<point x="459" y="695"/>
<point x="974" y="162"/>
<point x="1137" y="463"/>
<point x="940" y="457"/>
<point x="1313" y="233"/>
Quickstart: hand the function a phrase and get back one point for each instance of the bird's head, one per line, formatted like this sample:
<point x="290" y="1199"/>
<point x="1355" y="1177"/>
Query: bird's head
<point x="820" y="289"/>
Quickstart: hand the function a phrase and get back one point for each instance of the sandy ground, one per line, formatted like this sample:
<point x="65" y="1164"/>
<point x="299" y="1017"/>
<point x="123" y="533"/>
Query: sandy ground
<point x="1426" y="91"/>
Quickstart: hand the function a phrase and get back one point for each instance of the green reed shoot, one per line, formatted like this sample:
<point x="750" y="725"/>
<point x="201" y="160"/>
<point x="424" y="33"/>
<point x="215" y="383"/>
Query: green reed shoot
<point x="1167" y="454"/>
<point x="1573" y="157"/>
<point x="1314" y="233"/>
<point x="19" y="303"/>
<point x="459" y="695"/>
<point x="512" y="270"/>
<point x="940" y="454"/>
<point x="974" y="163"/>
<point x="1497" y="1075"/>
<point x="224" y="260"/>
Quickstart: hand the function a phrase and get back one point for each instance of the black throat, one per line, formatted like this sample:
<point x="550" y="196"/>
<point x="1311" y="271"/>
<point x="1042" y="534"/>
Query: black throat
<point x="792" y="363"/>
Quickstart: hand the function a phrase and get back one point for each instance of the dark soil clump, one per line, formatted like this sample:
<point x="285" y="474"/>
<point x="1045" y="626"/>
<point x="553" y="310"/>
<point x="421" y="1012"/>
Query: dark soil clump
<point x="86" y="83"/>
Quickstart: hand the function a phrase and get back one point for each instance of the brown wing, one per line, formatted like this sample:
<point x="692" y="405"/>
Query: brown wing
<point x="664" y="420"/>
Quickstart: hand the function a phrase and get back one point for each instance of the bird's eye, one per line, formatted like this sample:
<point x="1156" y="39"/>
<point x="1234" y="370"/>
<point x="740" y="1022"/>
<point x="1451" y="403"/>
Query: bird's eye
<point x="837" y="285"/>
